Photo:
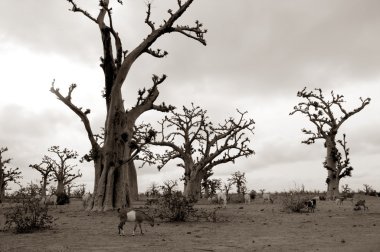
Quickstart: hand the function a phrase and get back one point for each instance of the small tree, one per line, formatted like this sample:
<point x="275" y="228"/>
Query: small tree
<point x="238" y="179"/>
<point x="367" y="189"/>
<point x="62" y="170"/>
<point x="328" y="116"/>
<point x="46" y="169"/>
<point x="153" y="190"/>
<point x="227" y="187"/>
<point x="7" y="174"/>
<point x="168" y="186"/>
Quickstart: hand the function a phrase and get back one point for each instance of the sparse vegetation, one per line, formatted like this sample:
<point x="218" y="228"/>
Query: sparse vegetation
<point x="28" y="217"/>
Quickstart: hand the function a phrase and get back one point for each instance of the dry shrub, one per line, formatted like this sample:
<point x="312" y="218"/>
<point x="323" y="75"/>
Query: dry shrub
<point x="174" y="206"/>
<point x="28" y="217"/>
<point x="294" y="202"/>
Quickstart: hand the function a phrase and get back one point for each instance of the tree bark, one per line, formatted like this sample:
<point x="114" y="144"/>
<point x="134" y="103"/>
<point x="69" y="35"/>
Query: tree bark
<point x="60" y="187"/>
<point x="192" y="187"/>
<point x="331" y="166"/>
<point x="132" y="176"/>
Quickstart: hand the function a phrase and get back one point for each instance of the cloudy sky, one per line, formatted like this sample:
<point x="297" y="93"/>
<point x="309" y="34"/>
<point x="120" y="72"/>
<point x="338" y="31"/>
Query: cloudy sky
<point x="259" y="54"/>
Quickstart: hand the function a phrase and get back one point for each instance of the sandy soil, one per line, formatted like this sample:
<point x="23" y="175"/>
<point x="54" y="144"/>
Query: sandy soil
<point x="255" y="227"/>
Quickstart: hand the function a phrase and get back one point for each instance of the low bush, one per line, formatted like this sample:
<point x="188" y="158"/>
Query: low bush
<point x="174" y="207"/>
<point x="294" y="202"/>
<point x="28" y="217"/>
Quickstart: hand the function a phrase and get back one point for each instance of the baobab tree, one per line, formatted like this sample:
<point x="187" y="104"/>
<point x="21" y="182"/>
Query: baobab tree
<point x="328" y="115"/>
<point x="238" y="179"/>
<point x="7" y="174"/>
<point x="199" y="145"/>
<point x="62" y="169"/>
<point x="113" y="170"/>
<point x="46" y="169"/>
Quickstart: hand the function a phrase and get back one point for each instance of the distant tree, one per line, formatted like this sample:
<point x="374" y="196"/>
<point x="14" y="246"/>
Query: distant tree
<point x="367" y="189"/>
<point x="7" y="174"/>
<point x="62" y="169"/>
<point x="227" y="187"/>
<point x="328" y="116"/>
<point x="168" y="186"/>
<point x="199" y="145"/>
<point x="238" y="179"/>
<point x="115" y="177"/>
<point x="46" y="169"/>
<point x="153" y="190"/>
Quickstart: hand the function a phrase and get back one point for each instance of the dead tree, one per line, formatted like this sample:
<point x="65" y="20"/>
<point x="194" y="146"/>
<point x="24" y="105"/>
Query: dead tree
<point x="199" y="145"/>
<point x="46" y="169"/>
<point x="169" y="186"/>
<point x="62" y="170"/>
<point x="238" y="179"/>
<point x="113" y="174"/>
<point x="328" y="116"/>
<point x="7" y="174"/>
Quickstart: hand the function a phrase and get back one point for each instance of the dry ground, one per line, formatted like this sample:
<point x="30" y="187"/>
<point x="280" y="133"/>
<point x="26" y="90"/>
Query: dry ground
<point x="255" y="227"/>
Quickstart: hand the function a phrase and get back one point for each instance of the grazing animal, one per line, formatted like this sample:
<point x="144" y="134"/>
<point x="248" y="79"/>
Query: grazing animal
<point x="86" y="198"/>
<point x="311" y="205"/>
<point x="222" y="197"/>
<point x="247" y="198"/>
<point x="133" y="216"/>
<point x="267" y="197"/>
<point x="49" y="200"/>
<point x="361" y="203"/>
<point x="339" y="201"/>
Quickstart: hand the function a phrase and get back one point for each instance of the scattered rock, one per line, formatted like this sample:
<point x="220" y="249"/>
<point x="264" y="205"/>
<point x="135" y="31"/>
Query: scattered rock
<point x="253" y="241"/>
<point x="374" y="225"/>
<point x="343" y="241"/>
<point x="163" y="240"/>
<point x="188" y="233"/>
<point x="262" y="210"/>
<point x="241" y="207"/>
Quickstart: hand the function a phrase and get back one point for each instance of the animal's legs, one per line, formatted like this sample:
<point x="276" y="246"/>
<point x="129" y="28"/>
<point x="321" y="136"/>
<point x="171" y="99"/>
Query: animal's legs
<point x="141" y="229"/>
<point x="133" y="234"/>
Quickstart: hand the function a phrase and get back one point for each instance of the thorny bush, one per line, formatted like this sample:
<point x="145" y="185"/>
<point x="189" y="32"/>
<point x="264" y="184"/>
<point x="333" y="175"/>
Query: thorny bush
<point x="28" y="217"/>
<point x="294" y="202"/>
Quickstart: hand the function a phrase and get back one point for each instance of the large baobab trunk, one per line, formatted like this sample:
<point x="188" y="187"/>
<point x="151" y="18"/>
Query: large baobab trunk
<point x="111" y="190"/>
<point x="132" y="177"/>
<point x="331" y="166"/>
<point x="192" y="185"/>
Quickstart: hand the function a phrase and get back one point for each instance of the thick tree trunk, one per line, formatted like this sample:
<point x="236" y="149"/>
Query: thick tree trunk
<point x="133" y="186"/>
<point x="60" y="187"/>
<point x="193" y="185"/>
<point x="331" y="166"/>
<point x="332" y="187"/>
<point x="111" y="179"/>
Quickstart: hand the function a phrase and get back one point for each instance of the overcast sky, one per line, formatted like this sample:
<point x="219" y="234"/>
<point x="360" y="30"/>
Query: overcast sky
<point x="259" y="54"/>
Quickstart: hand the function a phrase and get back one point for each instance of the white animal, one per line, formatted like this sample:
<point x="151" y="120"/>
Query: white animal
<point x="247" y="198"/>
<point x="222" y="197"/>
<point x="267" y="197"/>
<point x="86" y="198"/>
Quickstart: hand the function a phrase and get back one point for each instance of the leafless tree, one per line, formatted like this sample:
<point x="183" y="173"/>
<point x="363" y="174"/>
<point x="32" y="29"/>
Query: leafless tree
<point x="199" y="145"/>
<point x="46" y="169"/>
<point x="7" y="174"/>
<point x="115" y="179"/>
<point x="328" y="115"/>
<point x="168" y="186"/>
<point x="62" y="169"/>
<point x="238" y="179"/>
<point x="367" y="189"/>
<point x="227" y="187"/>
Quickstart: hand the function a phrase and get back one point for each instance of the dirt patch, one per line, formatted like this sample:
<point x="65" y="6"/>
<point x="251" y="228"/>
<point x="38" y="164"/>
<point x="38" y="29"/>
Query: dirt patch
<point x="255" y="227"/>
